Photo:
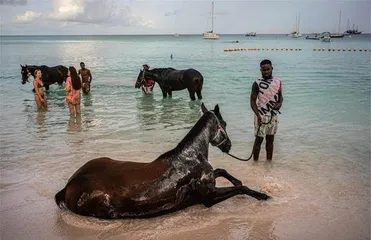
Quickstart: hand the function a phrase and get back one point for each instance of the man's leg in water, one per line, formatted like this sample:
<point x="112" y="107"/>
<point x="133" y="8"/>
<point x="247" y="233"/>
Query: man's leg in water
<point x="269" y="146"/>
<point x="256" y="148"/>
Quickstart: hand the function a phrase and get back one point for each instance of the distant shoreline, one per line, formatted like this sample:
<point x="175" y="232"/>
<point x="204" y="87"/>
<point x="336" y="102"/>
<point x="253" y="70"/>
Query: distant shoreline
<point x="180" y="34"/>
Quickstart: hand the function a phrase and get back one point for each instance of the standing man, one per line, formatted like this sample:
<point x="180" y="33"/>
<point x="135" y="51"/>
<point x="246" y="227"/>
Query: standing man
<point x="85" y="77"/>
<point x="268" y="91"/>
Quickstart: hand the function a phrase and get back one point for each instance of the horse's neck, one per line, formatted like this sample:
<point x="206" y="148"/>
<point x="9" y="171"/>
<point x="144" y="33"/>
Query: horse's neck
<point x="157" y="73"/>
<point x="195" y="145"/>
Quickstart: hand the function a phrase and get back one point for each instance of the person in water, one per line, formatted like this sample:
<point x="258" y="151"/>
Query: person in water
<point x="265" y="100"/>
<point x="73" y="91"/>
<point x="40" y="98"/>
<point x="86" y="77"/>
<point x="148" y="84"/>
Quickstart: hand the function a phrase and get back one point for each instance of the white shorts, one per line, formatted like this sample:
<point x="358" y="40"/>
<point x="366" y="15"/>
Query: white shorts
<point x="266" y="129"/>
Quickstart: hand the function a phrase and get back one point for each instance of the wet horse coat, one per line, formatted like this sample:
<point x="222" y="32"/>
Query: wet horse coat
<point x="170" y="79"/>
<point x="179" y="178"/>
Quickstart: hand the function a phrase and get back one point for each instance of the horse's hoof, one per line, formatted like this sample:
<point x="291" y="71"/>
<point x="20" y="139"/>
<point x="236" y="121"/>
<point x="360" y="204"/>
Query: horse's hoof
<point x="265" y="197"/>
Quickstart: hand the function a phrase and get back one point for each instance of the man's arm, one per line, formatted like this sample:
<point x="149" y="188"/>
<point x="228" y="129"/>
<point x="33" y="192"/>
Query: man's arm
<point x="91" y="77"/>
<point x="278" y="105"/>
<point x="253" y="98"/>
<point x="79" y="72"/>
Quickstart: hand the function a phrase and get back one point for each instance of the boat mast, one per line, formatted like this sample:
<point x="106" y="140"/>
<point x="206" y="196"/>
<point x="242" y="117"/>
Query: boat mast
<point x="339" y="22"/>
<point x="212" y="17"/>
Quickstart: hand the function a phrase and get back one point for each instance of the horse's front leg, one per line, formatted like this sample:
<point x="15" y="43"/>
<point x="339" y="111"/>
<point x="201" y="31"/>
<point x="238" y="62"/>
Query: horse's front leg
<point x="223" y="173"/>
<point x="212" y="196"/>
<point x="164" y="93"/>
<point x="192" y="94"/>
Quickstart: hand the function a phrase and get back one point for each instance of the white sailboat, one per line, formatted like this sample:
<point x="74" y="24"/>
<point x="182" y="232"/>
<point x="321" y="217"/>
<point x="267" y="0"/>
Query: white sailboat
<point x="296" y="33"/>
<point x="210" y="34"/>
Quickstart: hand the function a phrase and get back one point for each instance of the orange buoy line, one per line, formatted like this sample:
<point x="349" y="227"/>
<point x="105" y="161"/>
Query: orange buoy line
<point x="298" y="49"/>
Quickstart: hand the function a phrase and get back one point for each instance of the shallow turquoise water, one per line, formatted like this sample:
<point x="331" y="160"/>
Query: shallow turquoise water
<point x="325" y="117"/>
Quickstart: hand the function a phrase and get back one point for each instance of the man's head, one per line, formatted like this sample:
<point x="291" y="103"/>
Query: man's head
<point x="146" y="67"/>
<point x="266" y="69"/>
<point x="82" y="65"/>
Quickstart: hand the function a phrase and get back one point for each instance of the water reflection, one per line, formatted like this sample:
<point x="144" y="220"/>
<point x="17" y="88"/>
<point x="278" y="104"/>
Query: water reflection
<point x="87" y="100"/>
<point x="74" y="124"/>
<point x="40" y="121"/>
<point x="168" y="113"/>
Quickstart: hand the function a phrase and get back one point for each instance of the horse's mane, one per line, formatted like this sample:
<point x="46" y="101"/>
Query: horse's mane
<point x="161" y="69"/>
<point x="192" y="134"/>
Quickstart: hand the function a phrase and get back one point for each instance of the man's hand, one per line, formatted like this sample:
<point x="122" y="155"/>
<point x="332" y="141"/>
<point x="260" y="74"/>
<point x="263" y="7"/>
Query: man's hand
<point x="260" y="120"/>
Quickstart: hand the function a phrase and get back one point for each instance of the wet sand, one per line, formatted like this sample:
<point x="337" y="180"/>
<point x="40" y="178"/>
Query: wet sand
<point x="312" y="198"/>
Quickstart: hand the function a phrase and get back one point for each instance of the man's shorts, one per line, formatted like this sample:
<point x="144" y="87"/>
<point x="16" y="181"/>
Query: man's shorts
<point x="266" y="129"/>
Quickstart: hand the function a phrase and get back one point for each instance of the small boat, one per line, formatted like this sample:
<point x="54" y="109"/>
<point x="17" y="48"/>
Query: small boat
<point x="250" y="34"/>
<point x="353" y="31"/>
<point x="326" y="37"/>
<point x="296" y="33"/>
<point x="315" y="37"/>
<point x="210" y="34"/>
<point x="336" y="35"/>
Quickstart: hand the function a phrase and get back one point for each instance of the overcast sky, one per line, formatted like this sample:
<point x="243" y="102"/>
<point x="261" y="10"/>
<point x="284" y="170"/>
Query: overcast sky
<point x="44" y="17"/>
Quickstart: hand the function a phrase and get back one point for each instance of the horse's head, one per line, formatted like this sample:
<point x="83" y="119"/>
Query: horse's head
<point x="140" y="79"/>
<point x="25" y="74"/>
<point x="219" y="136"/>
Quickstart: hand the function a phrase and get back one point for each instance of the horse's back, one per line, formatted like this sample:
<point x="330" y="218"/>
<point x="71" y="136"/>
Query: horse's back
<point x="114" y="172"/>
<point x="122" y="184"/>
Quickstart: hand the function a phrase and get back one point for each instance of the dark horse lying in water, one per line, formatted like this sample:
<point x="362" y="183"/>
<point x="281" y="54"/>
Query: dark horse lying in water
<point x="179" y="178"/>
<point x="170" y="79"/>
<point x="50" y="75"/>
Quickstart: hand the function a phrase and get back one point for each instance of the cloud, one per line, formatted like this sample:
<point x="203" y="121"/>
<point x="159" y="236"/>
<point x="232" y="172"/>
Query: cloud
<point x="28" y="16"/>
<point x="87" y="11"/>
<point x="13" y="2"/>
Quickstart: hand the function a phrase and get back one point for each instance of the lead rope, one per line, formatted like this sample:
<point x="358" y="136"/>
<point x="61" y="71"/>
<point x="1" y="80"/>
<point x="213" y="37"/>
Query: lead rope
<point x="247" y="159"/>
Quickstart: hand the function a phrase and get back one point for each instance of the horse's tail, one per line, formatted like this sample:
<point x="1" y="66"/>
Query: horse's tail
<point x="60" y="198"/>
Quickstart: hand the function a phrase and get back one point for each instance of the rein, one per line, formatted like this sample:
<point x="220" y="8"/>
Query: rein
<point x="247" y="159"/>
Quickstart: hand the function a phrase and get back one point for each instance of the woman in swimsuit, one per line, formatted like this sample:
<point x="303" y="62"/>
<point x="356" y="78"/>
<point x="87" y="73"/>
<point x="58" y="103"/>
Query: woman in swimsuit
<point x="73" y="91"/>
<point x="40" y="98"/>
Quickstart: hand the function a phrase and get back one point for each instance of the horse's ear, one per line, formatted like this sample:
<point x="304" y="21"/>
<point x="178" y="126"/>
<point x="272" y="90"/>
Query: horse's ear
<point x="203" y="108"/>
<point x="216" y="109"/>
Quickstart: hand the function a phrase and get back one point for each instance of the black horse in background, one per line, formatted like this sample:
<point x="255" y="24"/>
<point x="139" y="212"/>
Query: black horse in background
<point x="170" y="79"/>
<point x="50" y="75"/>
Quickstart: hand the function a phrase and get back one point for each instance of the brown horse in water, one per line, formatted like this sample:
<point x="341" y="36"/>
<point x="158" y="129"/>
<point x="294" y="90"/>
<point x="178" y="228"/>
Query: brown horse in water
<point x="170" y="79"/>
<point x="179" y="178"/>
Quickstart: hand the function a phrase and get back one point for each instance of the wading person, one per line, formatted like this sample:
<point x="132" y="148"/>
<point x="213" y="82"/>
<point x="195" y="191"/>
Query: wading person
<point x="73" y="91"/>
<point x="86" y="77"/>
<point x="40" y="98"/>
<point x="148" y="84"/>
<point x="265" y="100"/>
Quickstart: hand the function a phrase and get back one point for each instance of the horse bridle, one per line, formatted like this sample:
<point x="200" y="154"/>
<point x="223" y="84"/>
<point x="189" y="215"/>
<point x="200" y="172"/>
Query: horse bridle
<point x="28" y="75"/>
<point x="220" y="130"/>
